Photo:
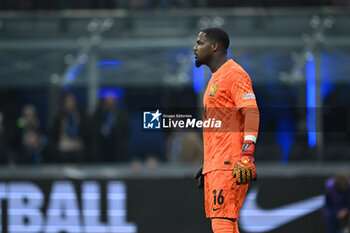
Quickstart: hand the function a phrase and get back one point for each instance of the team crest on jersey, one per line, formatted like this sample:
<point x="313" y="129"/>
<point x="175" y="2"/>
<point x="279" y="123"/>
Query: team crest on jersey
<point x="213" y="90"/>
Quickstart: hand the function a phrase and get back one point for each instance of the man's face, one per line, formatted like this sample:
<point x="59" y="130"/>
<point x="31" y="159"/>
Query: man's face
<point x="202" y="50"/>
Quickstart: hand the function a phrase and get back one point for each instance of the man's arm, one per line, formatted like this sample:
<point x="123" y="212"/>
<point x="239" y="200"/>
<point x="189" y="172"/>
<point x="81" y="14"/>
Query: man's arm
<point x="244" y="170"/>
<point x="251" y="123"/>
<point x="244" y="98"/>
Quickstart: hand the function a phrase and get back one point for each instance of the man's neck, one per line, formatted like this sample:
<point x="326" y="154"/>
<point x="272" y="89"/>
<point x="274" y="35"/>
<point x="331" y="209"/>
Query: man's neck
<point x="217" y="62"/>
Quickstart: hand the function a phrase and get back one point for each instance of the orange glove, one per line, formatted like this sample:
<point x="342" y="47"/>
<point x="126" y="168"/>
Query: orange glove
<point x="244" y="169"/>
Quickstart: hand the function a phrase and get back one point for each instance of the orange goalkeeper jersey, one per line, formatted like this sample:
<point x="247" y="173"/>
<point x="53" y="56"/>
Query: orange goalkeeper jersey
<point x="229" y="95"/>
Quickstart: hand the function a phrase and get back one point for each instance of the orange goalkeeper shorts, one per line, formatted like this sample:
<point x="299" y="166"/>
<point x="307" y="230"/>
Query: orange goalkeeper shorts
<point x="223" y="197"/>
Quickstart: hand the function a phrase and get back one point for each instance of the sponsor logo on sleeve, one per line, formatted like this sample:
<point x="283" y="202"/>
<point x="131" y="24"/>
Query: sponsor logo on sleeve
<point x="248" y="96"/>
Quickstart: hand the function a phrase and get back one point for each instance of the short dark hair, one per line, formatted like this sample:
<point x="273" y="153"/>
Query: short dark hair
<point x="218" y="35"/>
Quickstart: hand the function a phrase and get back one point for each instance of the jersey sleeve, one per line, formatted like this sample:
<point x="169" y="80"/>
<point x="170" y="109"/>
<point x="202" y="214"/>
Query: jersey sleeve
<point x="244" y="99"/>
<point x="242" y="91"/>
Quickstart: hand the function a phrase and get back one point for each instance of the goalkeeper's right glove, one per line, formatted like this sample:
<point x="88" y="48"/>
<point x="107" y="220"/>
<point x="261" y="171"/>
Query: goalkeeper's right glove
<point x="244" y="170"/>
<point x="200" y="177"/>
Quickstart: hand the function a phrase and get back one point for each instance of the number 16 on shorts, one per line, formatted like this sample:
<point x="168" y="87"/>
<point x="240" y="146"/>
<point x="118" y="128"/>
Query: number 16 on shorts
<point x="218" y="198"/>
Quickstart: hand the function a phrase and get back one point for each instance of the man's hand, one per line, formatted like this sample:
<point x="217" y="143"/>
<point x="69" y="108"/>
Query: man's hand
<point x="200" y="177"/>
<point x="244" y="169"/>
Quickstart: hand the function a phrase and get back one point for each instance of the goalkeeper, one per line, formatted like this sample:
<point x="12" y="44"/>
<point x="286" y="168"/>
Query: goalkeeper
<point x="228" y="153"/>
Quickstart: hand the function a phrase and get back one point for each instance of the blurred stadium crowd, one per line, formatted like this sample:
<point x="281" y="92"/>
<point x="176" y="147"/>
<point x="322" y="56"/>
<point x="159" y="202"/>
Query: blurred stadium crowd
<point x="72" y="136"/>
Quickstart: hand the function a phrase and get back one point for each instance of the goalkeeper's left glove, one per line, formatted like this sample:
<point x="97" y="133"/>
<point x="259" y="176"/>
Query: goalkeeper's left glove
<point x="244" y="169"/>
<point x="200" y="177"/>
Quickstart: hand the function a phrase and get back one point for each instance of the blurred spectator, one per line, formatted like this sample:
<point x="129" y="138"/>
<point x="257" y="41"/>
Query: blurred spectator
<point x="68" y="132"/>
<point x="29" y="141"/>
<point x="109" y="128"/>
<point x="28" y="121"/>
<point x="34" y="149"/>
<point x="336" y="210"/>
<point x="184" y="147"/>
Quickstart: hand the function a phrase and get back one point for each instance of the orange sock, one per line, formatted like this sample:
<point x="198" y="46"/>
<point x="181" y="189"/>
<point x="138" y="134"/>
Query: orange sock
<point x="222" y="225"/>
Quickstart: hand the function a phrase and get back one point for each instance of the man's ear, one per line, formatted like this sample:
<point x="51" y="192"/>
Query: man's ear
<point x="214" y="46"/>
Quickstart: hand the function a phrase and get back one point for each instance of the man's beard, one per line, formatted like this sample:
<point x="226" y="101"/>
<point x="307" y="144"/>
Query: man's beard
<point x="198" y="63"/>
